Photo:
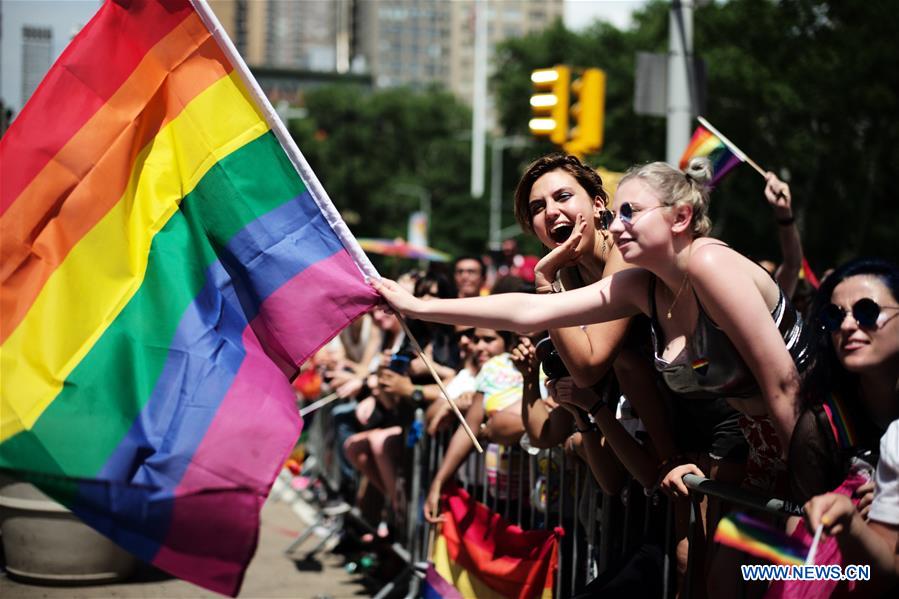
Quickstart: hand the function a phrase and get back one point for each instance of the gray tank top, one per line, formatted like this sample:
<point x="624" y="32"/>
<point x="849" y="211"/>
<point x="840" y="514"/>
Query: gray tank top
<point x="710" y="366"/>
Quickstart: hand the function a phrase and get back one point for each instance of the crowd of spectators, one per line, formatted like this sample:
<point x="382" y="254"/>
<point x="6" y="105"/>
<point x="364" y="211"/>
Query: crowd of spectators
<point x="648" y="350"/>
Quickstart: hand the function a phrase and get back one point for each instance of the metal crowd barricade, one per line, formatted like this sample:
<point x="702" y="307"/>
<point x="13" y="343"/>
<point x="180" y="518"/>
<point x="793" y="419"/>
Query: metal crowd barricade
<point x="572" y="501"/>
<point x="321" y="467"/>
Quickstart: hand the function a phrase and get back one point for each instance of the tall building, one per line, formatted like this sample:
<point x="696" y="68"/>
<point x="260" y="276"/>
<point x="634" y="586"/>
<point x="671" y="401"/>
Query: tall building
<point x="32" y="36"/>
<point x="37" y="54"/>
<point x="505" y="19"/>
<point x="311" y="35"/>
<point x="405" y="42"/>
<point x="400" y="42"/>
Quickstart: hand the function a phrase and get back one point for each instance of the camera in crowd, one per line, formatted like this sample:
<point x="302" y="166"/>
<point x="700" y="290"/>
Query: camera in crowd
<point x="550" y="360"/>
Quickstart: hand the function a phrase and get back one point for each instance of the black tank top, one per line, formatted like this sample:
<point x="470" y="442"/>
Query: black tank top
<point x="710" y="366"/>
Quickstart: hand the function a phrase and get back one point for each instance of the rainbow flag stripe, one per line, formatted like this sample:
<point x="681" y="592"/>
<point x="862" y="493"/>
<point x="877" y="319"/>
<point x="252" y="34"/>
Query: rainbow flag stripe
<point x="484" y="556"/>
<point x="760" y="539"/>
<point x="165" y="269"/>
<point x="706" y="144"/>
<point x="435" y="587"/>
<point x="840" y="423"/>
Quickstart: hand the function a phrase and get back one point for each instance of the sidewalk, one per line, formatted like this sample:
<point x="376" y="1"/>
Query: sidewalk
<point x="271" y="573"/>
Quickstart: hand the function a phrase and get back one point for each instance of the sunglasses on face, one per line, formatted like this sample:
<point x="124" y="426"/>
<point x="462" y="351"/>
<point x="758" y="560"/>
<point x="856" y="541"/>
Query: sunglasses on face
<point x="627" y="213"/>
<point x="865" y="312"/>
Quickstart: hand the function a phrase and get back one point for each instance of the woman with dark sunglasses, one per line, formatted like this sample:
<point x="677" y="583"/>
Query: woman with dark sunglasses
<point x="851" y="387"/>
<point x="850" y="395"/>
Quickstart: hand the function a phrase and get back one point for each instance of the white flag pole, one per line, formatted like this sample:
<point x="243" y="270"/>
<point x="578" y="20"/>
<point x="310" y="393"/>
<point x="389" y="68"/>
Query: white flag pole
<point x="733" y="148"/>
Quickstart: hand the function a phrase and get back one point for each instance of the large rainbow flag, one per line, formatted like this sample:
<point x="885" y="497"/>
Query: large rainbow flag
<point x="168" y="259"/>
<point x="484" y="556"/>
<point x="705" y="144"/>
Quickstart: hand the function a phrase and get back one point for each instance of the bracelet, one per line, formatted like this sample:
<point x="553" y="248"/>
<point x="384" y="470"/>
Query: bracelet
<point x="553" y="287"/>
<point x="786" y="222"/>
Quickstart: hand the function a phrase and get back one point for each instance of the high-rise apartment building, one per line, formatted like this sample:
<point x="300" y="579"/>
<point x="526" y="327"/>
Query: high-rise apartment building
<point x="415" y="43"/>
<point x="505" y="19"/>
<point x="311" y="35"/>
<point x="37" y="54"/>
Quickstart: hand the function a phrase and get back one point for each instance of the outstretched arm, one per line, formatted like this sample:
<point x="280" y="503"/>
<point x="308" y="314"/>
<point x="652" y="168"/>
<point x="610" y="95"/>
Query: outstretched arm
<point x="459" y="448"/>
<point x="608" y="299"/>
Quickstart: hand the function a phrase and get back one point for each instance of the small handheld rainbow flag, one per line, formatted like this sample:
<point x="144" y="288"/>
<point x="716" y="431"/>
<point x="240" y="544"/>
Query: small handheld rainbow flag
<point x="755" y="537"/>
<point x="705" y="144"/>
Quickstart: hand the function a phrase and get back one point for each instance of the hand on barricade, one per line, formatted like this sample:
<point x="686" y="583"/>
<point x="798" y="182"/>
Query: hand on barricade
<point x="431" y="507"/>
<point x="835" y="512"/>
<point x="673" y="482"/>
<point x="865" y="495"/>
<point x="547" y="269"/>
<point x="524" y="357"/>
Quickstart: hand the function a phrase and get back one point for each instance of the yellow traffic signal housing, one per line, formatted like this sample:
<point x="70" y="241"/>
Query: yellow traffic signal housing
<point x="550" y="103"/>
<point x="588" y="111"/>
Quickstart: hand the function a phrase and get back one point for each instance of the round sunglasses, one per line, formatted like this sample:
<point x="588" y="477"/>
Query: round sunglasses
<point x="626" y="212"/>
<point x="865" y="312"/>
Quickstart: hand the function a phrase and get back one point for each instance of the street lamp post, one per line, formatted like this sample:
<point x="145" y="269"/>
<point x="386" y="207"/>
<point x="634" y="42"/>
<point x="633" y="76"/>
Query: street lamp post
<point x="496" y="187"/>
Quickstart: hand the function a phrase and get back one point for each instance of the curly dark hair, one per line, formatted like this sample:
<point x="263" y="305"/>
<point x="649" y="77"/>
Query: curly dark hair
<point x="818" y="461"/>
<point x="826" y="373"/>
<point x="586" y="177"/>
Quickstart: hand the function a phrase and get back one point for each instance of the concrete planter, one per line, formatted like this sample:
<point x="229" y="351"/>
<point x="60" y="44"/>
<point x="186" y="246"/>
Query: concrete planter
<point x="45" y="543"/>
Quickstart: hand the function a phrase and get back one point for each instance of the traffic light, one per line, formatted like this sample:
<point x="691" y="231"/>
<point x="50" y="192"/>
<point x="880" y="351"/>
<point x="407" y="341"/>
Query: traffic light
<point x="550" y="103"/>
<point x="588" y="108"/>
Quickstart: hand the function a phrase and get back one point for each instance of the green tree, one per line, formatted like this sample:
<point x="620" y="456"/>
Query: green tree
<point x="803" y="85"/>
<point x="366" y="145"/>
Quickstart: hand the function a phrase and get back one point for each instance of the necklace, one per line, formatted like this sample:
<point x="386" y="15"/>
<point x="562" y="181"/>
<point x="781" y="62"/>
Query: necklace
<point x="683" y="284"/>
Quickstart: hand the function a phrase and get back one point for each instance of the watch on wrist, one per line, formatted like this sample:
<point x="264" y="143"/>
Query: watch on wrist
<point x="418" y="394"/>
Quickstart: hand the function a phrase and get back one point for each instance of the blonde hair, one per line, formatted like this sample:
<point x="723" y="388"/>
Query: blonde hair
<point x="677" y="188"/>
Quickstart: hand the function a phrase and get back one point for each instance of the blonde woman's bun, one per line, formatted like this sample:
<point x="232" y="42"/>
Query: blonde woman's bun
<point x="700" y="170"/>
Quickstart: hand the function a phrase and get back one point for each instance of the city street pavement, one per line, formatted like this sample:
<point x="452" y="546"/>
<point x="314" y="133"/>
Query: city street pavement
<point x="271" y="573"/>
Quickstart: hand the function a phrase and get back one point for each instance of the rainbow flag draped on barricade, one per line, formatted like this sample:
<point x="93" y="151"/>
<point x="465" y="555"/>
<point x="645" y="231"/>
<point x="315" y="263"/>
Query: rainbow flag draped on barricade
<point x="481" y="555"/>
<point x="168" y="261"/>
<point x="705" y="144"/>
